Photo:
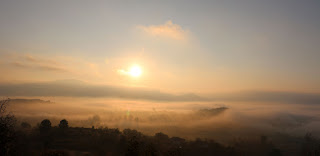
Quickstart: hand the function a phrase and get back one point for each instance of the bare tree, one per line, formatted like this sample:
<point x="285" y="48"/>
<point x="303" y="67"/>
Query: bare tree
<point x="3" y="106"/>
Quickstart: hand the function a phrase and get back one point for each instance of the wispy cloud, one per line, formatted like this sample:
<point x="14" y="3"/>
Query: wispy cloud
<point x="37" y="59"/>
<point x="39" y="67"/>
<point x="168" y="29"/>
<point x="19" y="64"/>
<point x="133" y="70"/>
<point x="32" y="62"/>
<point x="123" y="72"/>
<point x="31" y="58"/>
<point x="273" y="96"/>
<point x="75" y="88"/>
<point x="51" y="68"/>
<point x="35" y="67"/>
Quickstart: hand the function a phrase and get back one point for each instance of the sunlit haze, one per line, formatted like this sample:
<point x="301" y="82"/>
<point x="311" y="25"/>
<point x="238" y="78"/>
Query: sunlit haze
<point x="220" y="70"/>
<point x="135" y="71"/>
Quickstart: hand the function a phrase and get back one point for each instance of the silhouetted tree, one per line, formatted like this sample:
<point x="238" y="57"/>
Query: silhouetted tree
<point x="129" y="133"/>
<point x="63" y="124"/>
<point x="162" y="142"/>
<point x="46" y="137"/>
<point x="45" y="125"/>
<point x="7" y="132"/>
<point x="161" y="136"/>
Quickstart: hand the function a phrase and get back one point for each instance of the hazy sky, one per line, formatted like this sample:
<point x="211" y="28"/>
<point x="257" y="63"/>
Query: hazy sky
<point x="181" y="46"/>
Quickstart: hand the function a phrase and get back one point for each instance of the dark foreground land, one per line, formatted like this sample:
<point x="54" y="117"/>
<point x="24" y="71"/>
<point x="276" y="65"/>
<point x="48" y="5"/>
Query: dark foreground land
<point x="63" y="141"/>
<point x="46" y="140"/>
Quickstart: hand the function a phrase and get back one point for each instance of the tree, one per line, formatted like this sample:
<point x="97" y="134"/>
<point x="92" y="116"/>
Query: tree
<point x="46" y="136"/>
<point x="7" y="129"/>
<point x="63" y="124"/>
<point x="45" y="125"/>
<point x="161" y="136"/>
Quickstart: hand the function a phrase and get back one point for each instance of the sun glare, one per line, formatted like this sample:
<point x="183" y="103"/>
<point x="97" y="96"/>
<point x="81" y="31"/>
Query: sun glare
<point x="135" y="71"/>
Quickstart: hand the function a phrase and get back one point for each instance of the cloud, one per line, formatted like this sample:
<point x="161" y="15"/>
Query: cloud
<point x="132" y="71"/>
<point x="31" y="62"/>
<point x="45" y="67"/>
<point x="51" y="68"/>
<point x="272" y="96"/>
<point x="75" y="88"/>
<point x="36" y="59"/>
<point x="19" y="64"/>
<point x="31" y="58"/>
<point x="123" y="72"/>
<point x="169" y="30"/>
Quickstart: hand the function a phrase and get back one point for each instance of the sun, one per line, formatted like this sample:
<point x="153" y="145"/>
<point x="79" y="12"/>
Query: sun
<point x="135" y="71"/>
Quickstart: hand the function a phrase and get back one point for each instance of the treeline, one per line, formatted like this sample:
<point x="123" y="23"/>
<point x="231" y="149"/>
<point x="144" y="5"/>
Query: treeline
<point x="46" y="139"/>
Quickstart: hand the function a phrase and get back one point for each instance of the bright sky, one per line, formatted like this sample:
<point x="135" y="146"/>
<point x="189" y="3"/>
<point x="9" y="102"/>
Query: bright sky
<point x="180" y="46"/>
